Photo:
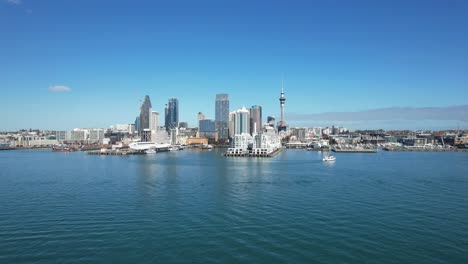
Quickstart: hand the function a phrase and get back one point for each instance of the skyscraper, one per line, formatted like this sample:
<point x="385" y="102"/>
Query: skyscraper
<point x="241" y="121"/>
<point x="255" y="119"/>
<point x="282" y="125"/>
<point x="154" y="120"/>
<point x="222" y="115"/>
<point x="144" y="115"/>
<point x="172" y="113"/>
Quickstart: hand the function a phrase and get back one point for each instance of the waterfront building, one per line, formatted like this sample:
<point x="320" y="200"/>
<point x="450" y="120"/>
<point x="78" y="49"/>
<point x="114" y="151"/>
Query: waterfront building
<point x="61" y="136"/>
<point x="96" y="135"/>
<point x="197" y="141"/>
<point x="144" y="115"/>
<point x="282" y="125"/>
<point x="33" y="140"/>
<point x="172" y="114"/>
<point x="222" y="115"/>
<point x="255" y="119"/>
<point x="266" y="143"/>
<point x="240" y="144"/>
<point x="78" y="134"/>
<point x="271" y="121"/>
<point x="413" y="141"/>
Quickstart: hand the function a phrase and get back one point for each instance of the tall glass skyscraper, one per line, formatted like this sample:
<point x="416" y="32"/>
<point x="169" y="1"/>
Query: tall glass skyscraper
<point x="255" y="119"/>
<point x="222" y="115"/>
<point x="172" y="113"/>
<point x="144" y="121"/>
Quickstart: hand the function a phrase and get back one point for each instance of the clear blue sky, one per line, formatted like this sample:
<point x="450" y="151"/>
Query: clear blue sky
<point x="334" y="56"/>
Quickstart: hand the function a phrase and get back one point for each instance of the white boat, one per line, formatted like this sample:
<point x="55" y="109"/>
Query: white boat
<point x="174" y="148"/>
<point x="150" y="151"/>
<point x="329" y="158"/>
<point x="143" y="146"/>
<point x="206" y="147"/>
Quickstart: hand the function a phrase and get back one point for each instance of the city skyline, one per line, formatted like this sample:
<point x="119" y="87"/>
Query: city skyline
<point x="334" y="57"/>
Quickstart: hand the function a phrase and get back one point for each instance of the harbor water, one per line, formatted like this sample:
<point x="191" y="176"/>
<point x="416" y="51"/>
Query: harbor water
<point x="200" y="207"/>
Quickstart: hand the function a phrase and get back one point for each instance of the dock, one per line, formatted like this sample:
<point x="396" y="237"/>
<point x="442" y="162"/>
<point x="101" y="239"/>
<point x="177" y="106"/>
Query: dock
<point x="266" y="155"/>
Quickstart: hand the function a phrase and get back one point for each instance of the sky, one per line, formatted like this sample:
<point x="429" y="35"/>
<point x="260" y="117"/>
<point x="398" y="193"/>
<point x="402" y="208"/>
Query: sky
<point x="68" y="64"/>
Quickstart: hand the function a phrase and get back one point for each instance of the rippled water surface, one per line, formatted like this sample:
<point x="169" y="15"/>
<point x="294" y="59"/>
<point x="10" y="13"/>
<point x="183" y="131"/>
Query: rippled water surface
<point x="196" y="206"/>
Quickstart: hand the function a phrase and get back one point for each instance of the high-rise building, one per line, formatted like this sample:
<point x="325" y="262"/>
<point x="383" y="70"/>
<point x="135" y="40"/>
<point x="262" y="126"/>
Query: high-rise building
<point x="207" y="128"/>
<point x="255" y="119"/>
<point x="282" y="125"/>
<point x="242" y="121"/>
<point x="154" y="120"/>
<point x="222" y="115"/>
<point x="144" y="115"/>
<point x="172" y="114"/>
<point x="137" y="124"/>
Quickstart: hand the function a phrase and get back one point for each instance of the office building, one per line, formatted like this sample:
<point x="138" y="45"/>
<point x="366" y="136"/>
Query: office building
<point x="241" y="121"/>
<point x="172" y="114"/>
<point x="255" y="119"/>
<point x="207" y="128"/>
<point x="154" y="120"/>
<point x="222" y="115"/>
<point x="144" y="115"/>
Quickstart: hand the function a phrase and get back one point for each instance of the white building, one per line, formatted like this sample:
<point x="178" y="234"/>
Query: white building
<point x="240" y="144"/>
<point x="62" y="135"/>
<point x="153" y="120"/>
<point x="96" y="135"/>
<point x="79" y="134"/>
<point x="124" y="128"/>
<point x="266" y="143"/>
<point x="239" y="122"/>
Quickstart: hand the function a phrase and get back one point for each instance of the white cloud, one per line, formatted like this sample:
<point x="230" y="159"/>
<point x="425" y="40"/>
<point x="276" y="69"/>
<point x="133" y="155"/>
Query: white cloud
<point x="59" y="88"/>
<point x="15" y="2"/>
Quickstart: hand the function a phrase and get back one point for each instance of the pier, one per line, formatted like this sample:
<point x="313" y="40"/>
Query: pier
<point x="262" y="155"/>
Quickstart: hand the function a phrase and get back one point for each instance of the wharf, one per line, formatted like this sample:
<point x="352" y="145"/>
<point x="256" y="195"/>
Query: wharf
<point x="268" y="155"/>
<point x="354" y="150"/>
<point x="115" y="152"/>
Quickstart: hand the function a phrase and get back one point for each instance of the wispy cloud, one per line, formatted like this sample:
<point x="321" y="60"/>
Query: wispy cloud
<point x="59" y="88"/>
<point x="14" y="2"/>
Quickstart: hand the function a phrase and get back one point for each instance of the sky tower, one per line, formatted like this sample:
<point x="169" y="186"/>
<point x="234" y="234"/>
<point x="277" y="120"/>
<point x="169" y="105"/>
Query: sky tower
<point x="282" y="125"/>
